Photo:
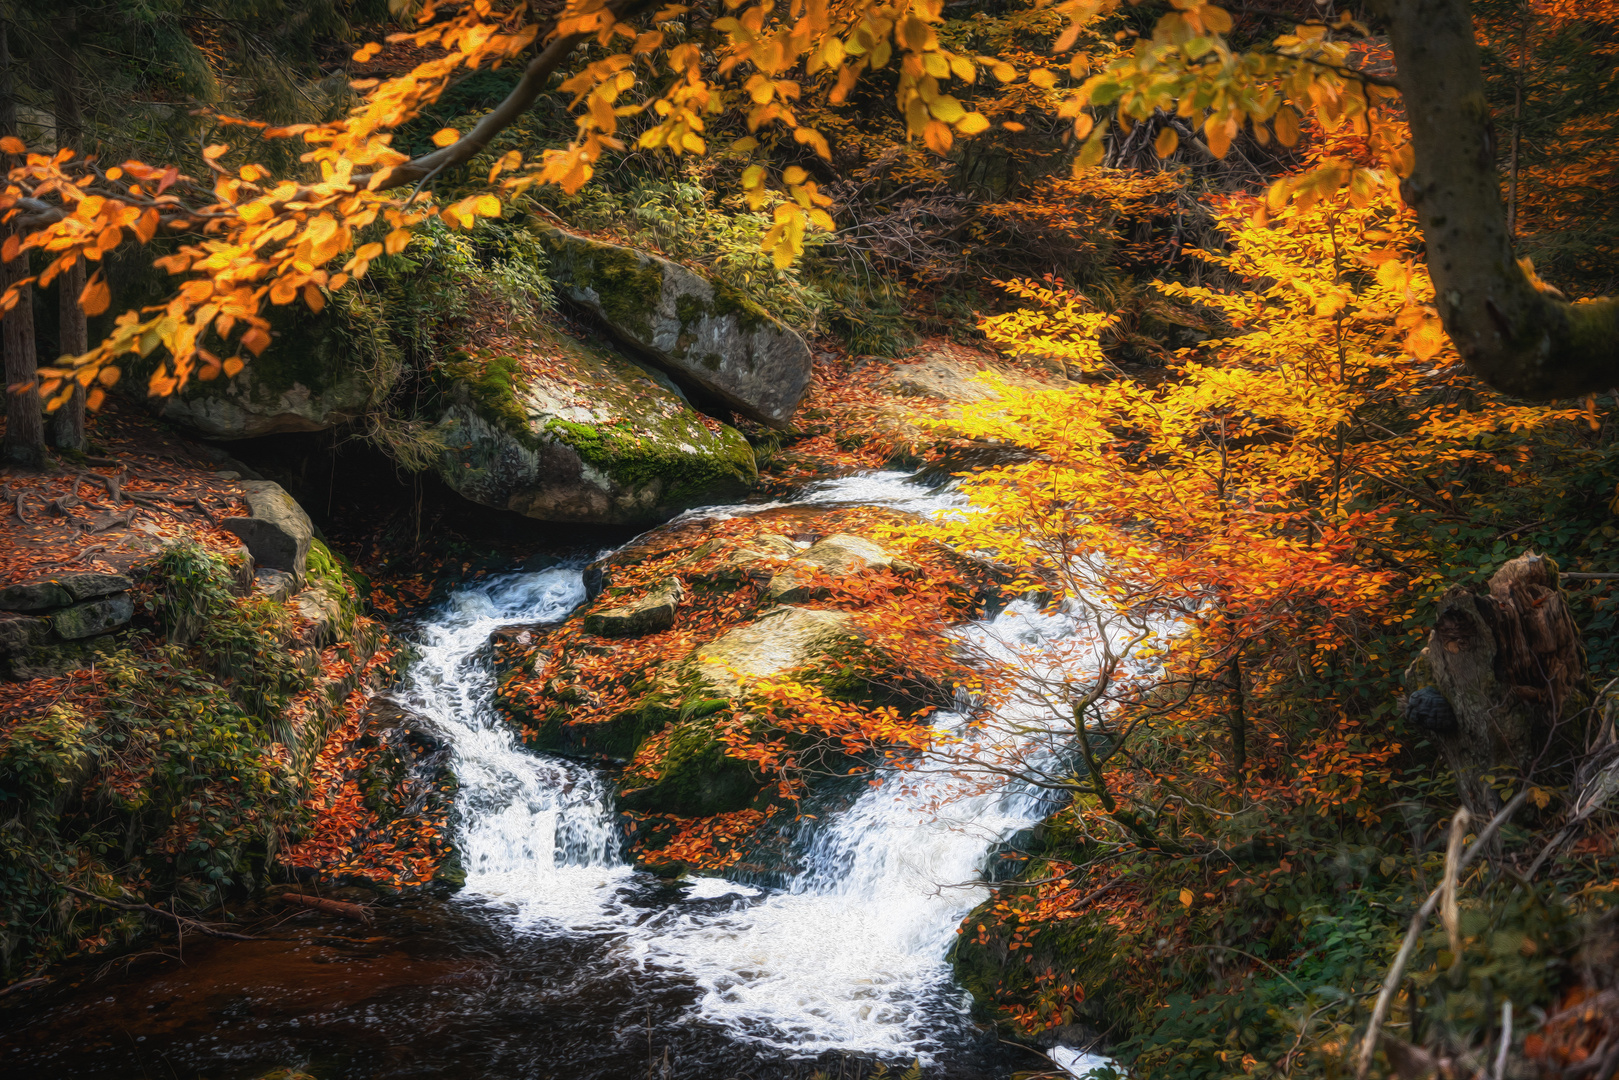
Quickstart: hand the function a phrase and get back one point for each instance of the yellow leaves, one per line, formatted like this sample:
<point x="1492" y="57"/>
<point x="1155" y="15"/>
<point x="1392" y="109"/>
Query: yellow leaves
<point x="1003" y="71"/>
<point x="815" y="140"/>
<point x="95" y="296"/>
<point x="1043" y="78"/>
<point x="946" y="109"/>
<point x="975" y="122"/>
<point x="446" y="136"/>
<point x="937" y="137"/>
<point x="366" y="52"/>
<point x="1186" y="898"/>
<point x="1166" y="142"/>
<point x="1426" y="340"/>
<point x="13" y="145"/>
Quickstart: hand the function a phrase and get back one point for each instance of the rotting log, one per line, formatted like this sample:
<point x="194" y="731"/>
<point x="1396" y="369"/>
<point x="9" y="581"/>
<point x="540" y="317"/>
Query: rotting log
<point x="1501" y="684"/>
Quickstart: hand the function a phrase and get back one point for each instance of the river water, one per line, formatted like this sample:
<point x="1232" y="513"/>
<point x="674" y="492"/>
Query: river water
<point x="558" y="958"/>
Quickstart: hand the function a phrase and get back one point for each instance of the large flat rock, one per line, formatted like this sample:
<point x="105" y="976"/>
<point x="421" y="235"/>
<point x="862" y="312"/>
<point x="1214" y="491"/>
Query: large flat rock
<point x="573" y="433"/>
<point x="697" y="328"/>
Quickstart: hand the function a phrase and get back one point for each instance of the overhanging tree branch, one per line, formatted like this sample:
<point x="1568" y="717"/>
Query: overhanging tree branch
<point x="1519" y="339"/>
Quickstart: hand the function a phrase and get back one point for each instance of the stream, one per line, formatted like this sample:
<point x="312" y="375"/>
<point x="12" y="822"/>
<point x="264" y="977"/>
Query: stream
<point x="559" y="958"/>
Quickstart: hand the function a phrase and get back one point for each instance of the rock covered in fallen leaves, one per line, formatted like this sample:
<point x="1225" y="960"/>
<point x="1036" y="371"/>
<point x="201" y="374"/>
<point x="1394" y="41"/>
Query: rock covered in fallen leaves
<point x="649" y="614"/>
<point x="837" y="555"/>
<point x="729" y="713"/>
<point x="783" y="639"/>
<point x="719" y="340"/>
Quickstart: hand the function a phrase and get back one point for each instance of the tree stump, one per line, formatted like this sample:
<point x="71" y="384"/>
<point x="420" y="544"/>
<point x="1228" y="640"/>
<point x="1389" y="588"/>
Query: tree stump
<point x="1501" y="684"/>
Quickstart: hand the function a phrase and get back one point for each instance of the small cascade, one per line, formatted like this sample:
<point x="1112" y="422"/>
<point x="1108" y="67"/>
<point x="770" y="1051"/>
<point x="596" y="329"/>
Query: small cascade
<point x="850" y="956"/>
<point x="531" y="826"/>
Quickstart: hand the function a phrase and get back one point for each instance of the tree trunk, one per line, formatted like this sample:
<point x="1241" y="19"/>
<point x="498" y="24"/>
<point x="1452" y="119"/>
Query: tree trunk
<point x="1520" y="340"/>
<point x="67" y="424"/>
<point x="25" y="429"/>
<point x="1238" y="718"/>
<point x="1501" y="684"/>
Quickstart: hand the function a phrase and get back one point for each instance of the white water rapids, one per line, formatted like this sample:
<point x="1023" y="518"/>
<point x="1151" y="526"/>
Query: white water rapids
<point x="850" y="955"/>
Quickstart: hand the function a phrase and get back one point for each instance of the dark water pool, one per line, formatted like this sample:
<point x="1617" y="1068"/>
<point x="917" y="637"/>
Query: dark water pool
<point x="432" y="989"/>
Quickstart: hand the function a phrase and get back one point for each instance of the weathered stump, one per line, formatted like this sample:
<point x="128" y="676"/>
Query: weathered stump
<point x="1501" y="684"/>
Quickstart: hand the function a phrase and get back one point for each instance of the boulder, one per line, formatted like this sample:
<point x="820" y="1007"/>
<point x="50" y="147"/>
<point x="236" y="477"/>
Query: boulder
<point x="53" y="658"/>
<point x="699" y="329"/>
<point x="753" y="561"/>
<point x="34" y="596"/>
<point x="93" y="617"/>
<point x="583" y="435"/>
<point x="321" y="613"/>
<point x="19" y="632"/>
<point x="276" y="531"/>
<point x="841" y="554"/>
<point x="89" y="584"/>
<point x="275" y="584"/>
<point x="939" y="375"/>
<point x="782" y="640"/>
<point x="309" y="379"/>
<point x="648" y="615"/>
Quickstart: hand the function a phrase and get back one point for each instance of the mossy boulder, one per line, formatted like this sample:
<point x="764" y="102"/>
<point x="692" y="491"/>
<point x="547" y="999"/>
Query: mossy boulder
<point x="696" y="777"/>
<point x="701" y="330"/>
<point x="782" y="640"/>
<point x="311" y="378"/>
<point x="579" y="434"/>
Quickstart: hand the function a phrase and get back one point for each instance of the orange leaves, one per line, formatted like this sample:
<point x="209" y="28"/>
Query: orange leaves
<point x="95" y="297"/>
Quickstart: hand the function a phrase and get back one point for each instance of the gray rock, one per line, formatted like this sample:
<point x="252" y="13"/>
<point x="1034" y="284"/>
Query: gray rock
<point x="57" y="658"/>
<point x="841" y="554"/>
<point x="321" y="613"/>
<point x="782" y="640"/>
<point x="719" y="340"/>
<point x="650" y="614"/>
<point x="89" y="584"/>
<point x="592" y="438"/>
<point x="94" y="617"/>
<point x="19" y="632"/>
<point x="277" y="532"/>
<point x="276" y="584"/>
<point x="34" y="596"/>
<point x="311" y="378"/>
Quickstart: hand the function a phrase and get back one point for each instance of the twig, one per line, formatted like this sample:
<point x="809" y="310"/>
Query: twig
<point x="1386" y="996"/>
<point x="1575" y="575"/>
<point x="25" y="984"/>
<point x="331" y="907"/>
<point x="150" y="910"/>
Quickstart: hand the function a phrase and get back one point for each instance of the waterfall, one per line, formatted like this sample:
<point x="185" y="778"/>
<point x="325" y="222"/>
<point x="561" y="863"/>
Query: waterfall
<point x="850" y="955"/>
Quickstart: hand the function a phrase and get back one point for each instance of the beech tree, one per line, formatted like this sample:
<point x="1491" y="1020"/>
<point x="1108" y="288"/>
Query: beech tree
<point x="250" y="239"/>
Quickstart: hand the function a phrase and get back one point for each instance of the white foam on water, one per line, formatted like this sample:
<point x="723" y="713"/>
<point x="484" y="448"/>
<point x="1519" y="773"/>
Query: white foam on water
<point x="850" y="955"/>
<point x="1080" y="1063"/>
<point x="536" y="833"/>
